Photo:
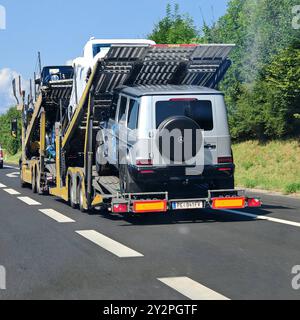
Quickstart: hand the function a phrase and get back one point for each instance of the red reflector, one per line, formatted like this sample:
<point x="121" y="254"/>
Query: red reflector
<point x="183" y="99"/>
<point x="254" y="203"/>
<point x="146" y="172"/>
<point x="224" y="169"/>
<point x="147" y="162"/>
<point x="225" y="160"/>
<point x="120" y="208"/>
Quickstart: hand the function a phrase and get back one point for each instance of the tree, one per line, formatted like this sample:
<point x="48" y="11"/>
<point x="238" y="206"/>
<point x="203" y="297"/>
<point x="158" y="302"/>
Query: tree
<point x="12" y="145"/>
<point x="175" y="28"/>
<point x="262" y="87"/>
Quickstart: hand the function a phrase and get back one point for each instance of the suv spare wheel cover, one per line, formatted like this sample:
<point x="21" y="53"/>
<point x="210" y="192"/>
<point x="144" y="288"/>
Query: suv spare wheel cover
<point x="184" y="133"/>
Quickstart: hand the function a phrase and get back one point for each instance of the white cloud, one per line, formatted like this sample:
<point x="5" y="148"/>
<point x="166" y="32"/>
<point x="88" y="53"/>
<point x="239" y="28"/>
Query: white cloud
<point x="6" y="93"/>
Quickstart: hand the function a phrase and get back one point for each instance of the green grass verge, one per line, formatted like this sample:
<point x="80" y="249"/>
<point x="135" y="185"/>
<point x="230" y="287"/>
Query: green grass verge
<point x="271" y="166"/>
<point x="12" y="159"/>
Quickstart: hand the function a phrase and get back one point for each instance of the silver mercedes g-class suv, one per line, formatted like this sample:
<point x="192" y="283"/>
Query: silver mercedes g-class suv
<point x="167" y="138"/>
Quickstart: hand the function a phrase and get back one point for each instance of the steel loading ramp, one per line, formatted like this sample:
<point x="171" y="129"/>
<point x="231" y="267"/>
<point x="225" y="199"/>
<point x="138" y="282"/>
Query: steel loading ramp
<point x="50" y="96"/>
<point x="133" y="65"/>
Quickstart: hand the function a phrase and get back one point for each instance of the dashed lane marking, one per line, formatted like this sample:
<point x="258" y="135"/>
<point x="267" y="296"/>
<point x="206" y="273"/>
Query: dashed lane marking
<point x="2" y="186"/>
<point x="192" y="289"/>
<point x="12" y="192"/>
<point x="108" y="244"/>
<point x="56" y="216"/>
<point x="29" y="201"/>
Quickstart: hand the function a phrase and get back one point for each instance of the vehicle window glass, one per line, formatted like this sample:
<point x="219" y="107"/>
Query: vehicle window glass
<point x="133" y="114"/>
<point x="114" y="107"/>
<point x="122" y="110"/>
<point x="199" y="111"/>
<point x="103" y="48"/>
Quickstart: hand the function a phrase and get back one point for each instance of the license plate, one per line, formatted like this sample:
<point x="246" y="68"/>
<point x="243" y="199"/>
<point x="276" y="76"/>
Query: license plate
<point x="187" y="205"/>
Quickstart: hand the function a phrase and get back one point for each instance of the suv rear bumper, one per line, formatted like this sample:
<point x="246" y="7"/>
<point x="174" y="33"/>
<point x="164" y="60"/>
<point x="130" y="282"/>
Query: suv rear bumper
<point x="178" y="176"/>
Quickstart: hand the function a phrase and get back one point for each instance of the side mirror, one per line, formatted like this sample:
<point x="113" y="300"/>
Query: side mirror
<point x="14" y="128"/>
<point x="38" y="82"/>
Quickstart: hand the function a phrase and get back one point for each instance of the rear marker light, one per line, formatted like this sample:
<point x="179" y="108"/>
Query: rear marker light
<point x="120" y="208"/>
<point x="254" y="203"/>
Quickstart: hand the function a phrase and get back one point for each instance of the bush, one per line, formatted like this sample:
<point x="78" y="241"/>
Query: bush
<point x="11" y="144"/>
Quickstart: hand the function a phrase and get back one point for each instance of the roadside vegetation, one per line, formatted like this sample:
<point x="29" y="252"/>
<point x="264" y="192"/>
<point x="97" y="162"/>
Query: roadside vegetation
<point x="12" y="159"/>
<point x="273" y="165"/>
<point x="261" y="88"/>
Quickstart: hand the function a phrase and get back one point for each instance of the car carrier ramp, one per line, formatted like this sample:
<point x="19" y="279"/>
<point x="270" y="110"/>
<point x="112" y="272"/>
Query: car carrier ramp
<point x="133" y="65"/>
<point x="50" y="98"/>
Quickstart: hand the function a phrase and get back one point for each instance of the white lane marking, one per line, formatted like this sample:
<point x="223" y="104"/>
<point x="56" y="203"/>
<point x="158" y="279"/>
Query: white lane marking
<point x="13" y="175"/>
<point x="108" y="244"/>
<point x="3" y="185"/>
<point x="29" y="201"/>
<point x="10" y="167"/>
<point x="12" y="192"/>
<point x="192" y="289"/>
<point x="265" y="218"/>
<point x="56" y="216"/>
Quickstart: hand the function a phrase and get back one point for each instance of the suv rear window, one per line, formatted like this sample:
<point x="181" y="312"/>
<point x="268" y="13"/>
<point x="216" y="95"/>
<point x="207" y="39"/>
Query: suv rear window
<point x="198" y="110"/>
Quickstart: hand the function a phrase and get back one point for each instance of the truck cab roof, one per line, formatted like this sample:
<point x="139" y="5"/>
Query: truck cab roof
<point x="159" y="90"/>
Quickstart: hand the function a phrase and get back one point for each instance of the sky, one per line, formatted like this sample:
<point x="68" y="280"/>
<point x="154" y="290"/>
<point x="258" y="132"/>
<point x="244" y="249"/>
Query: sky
<point x="59" y="29"/>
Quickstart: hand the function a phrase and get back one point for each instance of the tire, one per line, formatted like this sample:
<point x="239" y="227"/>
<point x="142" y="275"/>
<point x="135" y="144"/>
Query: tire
<point x="72" y="201"/>
<point x="103" y="168"/>
<point x="1" y="165"/>
<point x="22" y="183"/>
<point x="127" y="185"/>
<point x="38" y="185"/>
<point x="80" y="197"/>
<point x="33" y="181"/>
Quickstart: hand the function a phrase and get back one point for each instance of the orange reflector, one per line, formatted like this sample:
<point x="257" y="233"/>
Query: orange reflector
<point x="150" y="206"/>
<point x="229" y="203"/>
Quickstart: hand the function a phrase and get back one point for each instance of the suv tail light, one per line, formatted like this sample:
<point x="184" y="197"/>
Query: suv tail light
<point x="1" y="153"/>
<point x="147" y="162"/>
<point x="226" y="160"/>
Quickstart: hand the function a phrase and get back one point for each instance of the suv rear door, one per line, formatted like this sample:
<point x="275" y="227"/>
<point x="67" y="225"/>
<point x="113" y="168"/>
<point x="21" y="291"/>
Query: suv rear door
<point x="199" y="108"/>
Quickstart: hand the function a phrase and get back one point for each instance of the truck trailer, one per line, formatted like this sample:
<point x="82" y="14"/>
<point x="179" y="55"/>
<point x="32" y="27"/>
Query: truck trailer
<point x="72" y="159"/>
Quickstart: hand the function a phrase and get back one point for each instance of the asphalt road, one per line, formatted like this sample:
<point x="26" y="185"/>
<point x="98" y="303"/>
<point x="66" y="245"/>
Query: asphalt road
<point x="50" y="251"/>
